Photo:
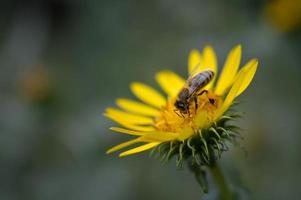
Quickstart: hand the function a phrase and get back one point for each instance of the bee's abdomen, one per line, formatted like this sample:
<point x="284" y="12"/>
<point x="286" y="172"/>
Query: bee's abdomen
<point x="206" y="76"/>
<point x="202" y="79"/>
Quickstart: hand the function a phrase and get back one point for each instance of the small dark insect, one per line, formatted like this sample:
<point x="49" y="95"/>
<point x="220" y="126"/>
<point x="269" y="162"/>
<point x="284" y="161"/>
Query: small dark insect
<point x="191" y="90"/>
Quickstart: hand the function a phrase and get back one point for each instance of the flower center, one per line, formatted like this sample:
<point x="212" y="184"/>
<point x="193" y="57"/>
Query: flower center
<point x="173" y="120"/>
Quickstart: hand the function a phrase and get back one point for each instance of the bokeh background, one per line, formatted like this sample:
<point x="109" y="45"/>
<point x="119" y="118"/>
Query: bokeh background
<point x="62" y="62"/>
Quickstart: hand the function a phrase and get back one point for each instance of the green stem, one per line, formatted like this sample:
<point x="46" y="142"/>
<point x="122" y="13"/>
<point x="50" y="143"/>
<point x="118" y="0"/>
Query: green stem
<point x="220" y="181"/>
<point x="199" y="176"/>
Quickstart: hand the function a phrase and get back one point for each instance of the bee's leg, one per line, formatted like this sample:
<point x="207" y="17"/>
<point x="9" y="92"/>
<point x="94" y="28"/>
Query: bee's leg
<point x="195" y="99"/>
<point x="203" y="91"/>
<point x="212" y="101"/>
<point x="183" y="116"/>
<point x="175" y="110"/>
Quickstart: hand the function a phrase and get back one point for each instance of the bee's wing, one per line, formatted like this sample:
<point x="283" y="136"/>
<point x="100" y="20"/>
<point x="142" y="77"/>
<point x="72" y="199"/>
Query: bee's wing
<point x="192" y="82"/>
<point x="196" y="70"/>
<point x="192" y="85"/>
<point x="193" y="88"/>
<point x="198" y="81"/>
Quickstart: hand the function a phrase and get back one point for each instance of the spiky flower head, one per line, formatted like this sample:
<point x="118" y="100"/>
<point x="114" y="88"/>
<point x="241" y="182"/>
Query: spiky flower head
<point x="198" y="136"/>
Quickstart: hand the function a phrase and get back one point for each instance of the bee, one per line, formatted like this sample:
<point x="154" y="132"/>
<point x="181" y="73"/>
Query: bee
<point x="191" y="90"/>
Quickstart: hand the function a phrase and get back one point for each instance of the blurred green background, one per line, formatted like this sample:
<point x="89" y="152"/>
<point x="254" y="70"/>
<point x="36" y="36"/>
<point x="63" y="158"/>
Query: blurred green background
<point x="62" y="62"/>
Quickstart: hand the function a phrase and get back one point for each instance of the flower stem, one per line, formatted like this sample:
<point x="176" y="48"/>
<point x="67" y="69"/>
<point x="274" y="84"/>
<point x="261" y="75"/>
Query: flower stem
<point x="218" y="177"/>
<point x="199" y="176"/>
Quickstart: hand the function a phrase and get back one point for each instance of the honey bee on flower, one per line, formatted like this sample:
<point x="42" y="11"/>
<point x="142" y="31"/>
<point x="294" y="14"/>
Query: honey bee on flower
<point x="191" y="91"/>
<point x="190" y="123"/>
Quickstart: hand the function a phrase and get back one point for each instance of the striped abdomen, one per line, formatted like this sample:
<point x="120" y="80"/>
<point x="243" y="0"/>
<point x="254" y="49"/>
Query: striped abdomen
<point x="199" y="81"/>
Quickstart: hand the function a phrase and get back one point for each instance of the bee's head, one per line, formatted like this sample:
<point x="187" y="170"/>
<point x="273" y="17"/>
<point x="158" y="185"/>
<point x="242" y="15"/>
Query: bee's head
<point x="182" y="106"/>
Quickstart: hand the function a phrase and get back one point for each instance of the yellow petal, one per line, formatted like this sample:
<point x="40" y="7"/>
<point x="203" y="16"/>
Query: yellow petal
<point x="137" y="107"/>
<point x="150" y="136"/>
<point x="148" y="94"/>
<point x="159" y="136"/>
<point x="128" y="125"/>
<point x="126" y="131"/>
<point x="139" y="149"/>
<point x="185" y="133"/>
<point x="229" y="71"/>
<point x="230" y="97"/>
<point x="194" y="59"/>
<point x="131" y="118"/>
<point x="250" y="70"/>
<point x="209" y="62"/>
<point x="122" y="145"/>
<point x="170" y="82"/>
<point x="241" y="82"/>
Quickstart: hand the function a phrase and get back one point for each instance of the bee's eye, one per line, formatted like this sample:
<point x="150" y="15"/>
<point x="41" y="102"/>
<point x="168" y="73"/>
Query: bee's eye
<point x="180" y="105"/>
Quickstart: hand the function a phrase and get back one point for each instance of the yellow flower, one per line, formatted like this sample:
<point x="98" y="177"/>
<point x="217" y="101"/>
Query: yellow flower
<point x="154" y="120"/>
<point x="284" y="14"/>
